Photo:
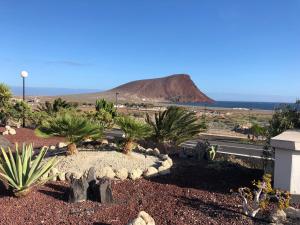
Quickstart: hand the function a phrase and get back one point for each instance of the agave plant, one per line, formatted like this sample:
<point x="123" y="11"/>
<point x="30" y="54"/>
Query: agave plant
<point x="21" y="171"/>
<point x="134" y="130"/>
<point x="175" y="125"/>
<point x="73" y="126"/>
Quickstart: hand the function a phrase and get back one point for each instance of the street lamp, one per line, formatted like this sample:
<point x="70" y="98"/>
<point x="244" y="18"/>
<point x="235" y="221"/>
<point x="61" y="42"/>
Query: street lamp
<point x="24" y="74"/>
<point x="117" y="93"/>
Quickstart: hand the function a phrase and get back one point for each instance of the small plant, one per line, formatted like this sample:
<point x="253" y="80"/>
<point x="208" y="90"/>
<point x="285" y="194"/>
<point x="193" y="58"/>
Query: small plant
<point x="21" y="171"/>
<point x="175" y="125"/>
<point x="211" y="152"/>
<point x="73" y="126"/>
<point x="258" y="199"/>
<point x="133" y="130"/>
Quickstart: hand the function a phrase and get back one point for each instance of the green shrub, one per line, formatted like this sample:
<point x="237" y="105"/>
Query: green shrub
<point x="175" y="125"/>
<point x="21" y="171"/>
<point x="134" y="130"/>
<point x="73" y="126"/>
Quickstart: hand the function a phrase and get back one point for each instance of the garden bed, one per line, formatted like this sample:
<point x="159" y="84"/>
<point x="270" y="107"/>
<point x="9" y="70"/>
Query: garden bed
<point x="192" y="194"/>
<point x="26" y="135"/>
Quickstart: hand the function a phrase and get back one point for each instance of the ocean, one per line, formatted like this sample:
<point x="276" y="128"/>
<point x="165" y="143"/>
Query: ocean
<point x="241" y="105"/>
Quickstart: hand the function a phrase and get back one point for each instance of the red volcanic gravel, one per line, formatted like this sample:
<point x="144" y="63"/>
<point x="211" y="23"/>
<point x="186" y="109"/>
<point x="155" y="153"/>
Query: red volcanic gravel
<point x="193" y="194"/>
<point x="26" y="135"/>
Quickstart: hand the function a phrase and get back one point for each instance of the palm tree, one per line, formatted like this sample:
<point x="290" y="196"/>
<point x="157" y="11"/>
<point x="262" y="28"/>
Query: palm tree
<point x="133" y="130"/>
<point x="175" y="125"/>
<point x="56" y="106"/>
<point x="75" y="128"/>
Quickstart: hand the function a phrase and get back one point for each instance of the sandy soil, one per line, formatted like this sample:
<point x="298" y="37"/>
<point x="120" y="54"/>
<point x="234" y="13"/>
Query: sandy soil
<point x="84" y="160"/>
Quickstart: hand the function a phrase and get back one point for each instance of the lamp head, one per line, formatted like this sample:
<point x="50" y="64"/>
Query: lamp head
<point x="24" y="74"/>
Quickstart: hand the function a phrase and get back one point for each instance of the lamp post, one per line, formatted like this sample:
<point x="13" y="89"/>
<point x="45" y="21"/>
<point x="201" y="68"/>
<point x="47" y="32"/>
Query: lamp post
<point x="117" y="93"/>
<point x="24" y="74"/>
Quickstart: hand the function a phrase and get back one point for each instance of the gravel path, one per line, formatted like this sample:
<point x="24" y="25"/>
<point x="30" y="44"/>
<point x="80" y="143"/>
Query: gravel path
<point x="100" y="159"/>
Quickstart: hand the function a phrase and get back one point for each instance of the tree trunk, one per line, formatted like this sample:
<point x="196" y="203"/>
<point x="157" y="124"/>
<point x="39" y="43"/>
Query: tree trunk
<point x="128" y="146"/>
<point x="72" y="149"/>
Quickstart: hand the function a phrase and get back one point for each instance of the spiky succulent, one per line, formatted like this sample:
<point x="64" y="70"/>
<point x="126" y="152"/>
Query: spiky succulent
<point x="21" y="170"/>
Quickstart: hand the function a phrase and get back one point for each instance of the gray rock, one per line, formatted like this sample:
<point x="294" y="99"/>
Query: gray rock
<point x="105" y="191"/>
<point x="78" y="190"/>
<point x="91" y="175"/>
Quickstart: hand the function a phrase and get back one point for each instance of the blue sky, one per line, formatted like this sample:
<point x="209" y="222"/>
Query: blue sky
<point x="233" y="49"/>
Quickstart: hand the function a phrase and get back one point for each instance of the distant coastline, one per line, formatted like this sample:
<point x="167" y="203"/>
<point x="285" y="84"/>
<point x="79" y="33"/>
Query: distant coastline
<point x="240" y="105"/>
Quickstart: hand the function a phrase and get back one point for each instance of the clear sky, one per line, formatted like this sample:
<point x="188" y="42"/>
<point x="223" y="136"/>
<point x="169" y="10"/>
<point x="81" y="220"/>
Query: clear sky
<point x="233" y="49"/>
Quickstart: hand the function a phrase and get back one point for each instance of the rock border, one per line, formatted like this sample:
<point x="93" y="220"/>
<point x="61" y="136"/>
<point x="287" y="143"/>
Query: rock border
<point x="163" y="167"/>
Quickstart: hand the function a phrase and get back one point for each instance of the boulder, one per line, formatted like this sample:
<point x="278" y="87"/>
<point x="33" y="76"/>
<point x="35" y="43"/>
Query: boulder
<point x="149" y="151"/>
<point x="53" y="173"/>
<point x="135" y="174"/>
<point x="164" y="170"/>
<point x="7" y="127"/>
<point x="121" y="174"/>
<point x="62" y="145"/>
<point x="146" y="217"/>
<point x="142" y="219"/>
<point x="140" y="149"/>
<point x="78" y="190"/>
<point x="91" y="175"/>
<point x="292" y="213"/>
<point x="156" y="152"/>
<point x="150" y="172"/>
<point x="12" y="131"/>
<point x="163" y="157"/>
<point x="104" y="142"/>
<point x="75" y="175"/>
<point x="166" y="164"/>
<point x="5" y="133"/>
<point x="105" y="191"/>
<point x="108" y="172"/>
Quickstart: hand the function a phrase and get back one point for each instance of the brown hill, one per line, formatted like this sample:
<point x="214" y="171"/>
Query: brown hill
<point x="174" y="88"/>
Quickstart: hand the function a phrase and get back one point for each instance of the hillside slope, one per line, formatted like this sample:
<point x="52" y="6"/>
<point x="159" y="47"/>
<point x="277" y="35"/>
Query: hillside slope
<point x="175" y="88"/>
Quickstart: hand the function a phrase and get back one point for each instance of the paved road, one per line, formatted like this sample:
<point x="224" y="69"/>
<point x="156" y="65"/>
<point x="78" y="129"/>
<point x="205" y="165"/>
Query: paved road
<point x="229" y="146"/>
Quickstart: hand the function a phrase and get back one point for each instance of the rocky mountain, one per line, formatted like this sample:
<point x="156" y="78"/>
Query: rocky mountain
<point x="175" y="88"/>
